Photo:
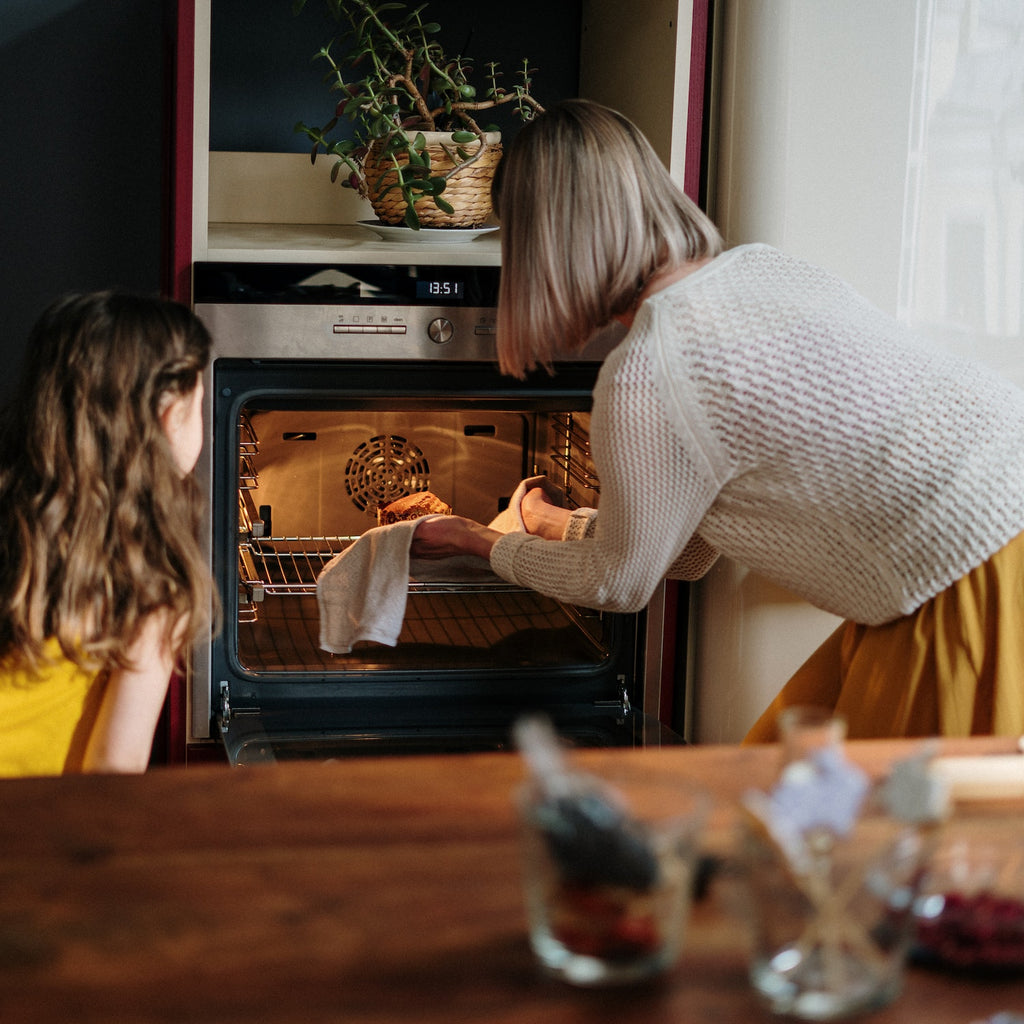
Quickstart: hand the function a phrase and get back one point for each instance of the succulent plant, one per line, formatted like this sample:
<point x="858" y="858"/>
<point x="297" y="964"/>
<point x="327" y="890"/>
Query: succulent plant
<point x="394" y="83"/>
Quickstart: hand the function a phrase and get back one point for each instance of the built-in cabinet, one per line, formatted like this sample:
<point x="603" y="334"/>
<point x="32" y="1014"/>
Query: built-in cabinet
<point x="647" y="60"/>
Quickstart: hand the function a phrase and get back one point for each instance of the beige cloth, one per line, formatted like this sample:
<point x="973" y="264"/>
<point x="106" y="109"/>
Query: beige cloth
<point x="362" y="592"/>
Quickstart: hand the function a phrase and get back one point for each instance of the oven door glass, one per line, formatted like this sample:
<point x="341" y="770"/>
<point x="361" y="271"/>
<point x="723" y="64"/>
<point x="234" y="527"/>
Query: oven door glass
<point x="306" y="454"/>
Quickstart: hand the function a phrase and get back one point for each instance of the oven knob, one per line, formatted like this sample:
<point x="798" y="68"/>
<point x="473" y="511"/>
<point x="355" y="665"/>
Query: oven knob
<point x="440" y="330"/>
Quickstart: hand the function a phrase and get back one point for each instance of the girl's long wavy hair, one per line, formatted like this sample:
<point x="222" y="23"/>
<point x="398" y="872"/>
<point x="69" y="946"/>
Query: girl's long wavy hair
<point x="98" y="529"/>
<point x="588" y="215"/>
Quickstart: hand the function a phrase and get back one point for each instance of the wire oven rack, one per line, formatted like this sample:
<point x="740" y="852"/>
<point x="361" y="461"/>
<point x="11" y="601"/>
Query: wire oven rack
<point x="286" y="565"/>
<point x="570" y="451"/>
<point x="290" y="566"/>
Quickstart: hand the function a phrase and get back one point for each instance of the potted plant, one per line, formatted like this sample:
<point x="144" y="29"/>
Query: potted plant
<point x="416" y="150"/>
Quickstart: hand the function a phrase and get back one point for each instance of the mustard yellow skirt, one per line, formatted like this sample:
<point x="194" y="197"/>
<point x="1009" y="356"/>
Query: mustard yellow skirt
<point x="954" y="667"/>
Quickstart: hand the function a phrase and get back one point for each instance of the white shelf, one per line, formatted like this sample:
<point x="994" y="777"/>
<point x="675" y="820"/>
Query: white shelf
<point x="338" y="243"/>
<point x="274" y="207"/>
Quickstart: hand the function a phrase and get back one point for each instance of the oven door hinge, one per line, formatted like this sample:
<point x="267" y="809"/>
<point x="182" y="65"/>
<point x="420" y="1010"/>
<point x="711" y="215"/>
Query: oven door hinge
<point x="623" y="705"/>
<point x="224" y="708"/>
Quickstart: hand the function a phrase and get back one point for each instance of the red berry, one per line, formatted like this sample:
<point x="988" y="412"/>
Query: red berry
<point x="983" y="930"/>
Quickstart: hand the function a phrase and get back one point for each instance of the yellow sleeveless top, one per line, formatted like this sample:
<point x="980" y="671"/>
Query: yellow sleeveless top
<point x="46" y="719"/>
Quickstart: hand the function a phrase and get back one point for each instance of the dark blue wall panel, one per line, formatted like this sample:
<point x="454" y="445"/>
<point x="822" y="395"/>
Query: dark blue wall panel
<point x="81" y="165"/>
<point x="263" y="79"/>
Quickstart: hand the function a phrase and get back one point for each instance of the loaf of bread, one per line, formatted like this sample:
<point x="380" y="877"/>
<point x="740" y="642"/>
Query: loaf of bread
<point x="412" y="506"/>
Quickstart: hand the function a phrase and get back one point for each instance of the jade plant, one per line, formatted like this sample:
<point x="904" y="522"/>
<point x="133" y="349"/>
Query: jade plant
<point x="394" y="83"/>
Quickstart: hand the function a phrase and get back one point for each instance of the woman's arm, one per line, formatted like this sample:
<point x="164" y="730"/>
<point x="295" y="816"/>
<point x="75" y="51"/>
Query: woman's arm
<point x="696" y="560"/>
<point x="447" y="536"/>
<point x="657" y="483"/>
<point x="122" y="737"/>
<point x="656" y="487"/>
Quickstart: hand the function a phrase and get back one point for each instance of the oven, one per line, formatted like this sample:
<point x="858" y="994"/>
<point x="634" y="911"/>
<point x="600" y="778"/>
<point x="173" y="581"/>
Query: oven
<point x="333" y="390"/>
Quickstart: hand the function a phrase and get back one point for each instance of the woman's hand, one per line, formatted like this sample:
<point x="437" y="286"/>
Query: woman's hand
<point x="541" y="516"/>
<point x="446" y="536"/>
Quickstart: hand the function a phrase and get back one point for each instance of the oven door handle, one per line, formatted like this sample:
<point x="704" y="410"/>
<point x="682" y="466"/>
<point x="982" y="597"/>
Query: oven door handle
<point x="623" y="704"/>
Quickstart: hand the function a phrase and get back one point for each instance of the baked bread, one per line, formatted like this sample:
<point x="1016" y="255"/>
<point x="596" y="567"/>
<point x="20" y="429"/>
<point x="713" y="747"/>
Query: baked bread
<point x="412" y="506"/>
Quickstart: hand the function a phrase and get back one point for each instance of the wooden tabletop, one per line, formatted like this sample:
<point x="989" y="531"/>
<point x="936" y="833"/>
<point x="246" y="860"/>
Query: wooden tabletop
<point x="377" y="890"/>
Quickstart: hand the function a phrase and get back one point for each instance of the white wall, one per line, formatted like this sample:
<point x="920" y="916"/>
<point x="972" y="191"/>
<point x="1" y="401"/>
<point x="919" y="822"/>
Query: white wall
<point x="815" y="109"/>
<point x="884" y="140"/>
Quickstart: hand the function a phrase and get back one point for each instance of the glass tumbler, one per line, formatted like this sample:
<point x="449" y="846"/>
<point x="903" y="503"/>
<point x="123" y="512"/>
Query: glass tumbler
<point x="608" y="875"/>
<point x="832" y="941"/>
<point x="831" y="896"/>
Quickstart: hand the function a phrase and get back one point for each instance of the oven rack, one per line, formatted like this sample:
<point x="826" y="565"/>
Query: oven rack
<point x="571" y="453"/>
<point x="289" y="566"/>
<point x="248" y="448"/>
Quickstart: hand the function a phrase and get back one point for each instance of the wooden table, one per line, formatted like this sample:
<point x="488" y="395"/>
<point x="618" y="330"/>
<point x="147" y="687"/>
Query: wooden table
<point x="367" y="890"/>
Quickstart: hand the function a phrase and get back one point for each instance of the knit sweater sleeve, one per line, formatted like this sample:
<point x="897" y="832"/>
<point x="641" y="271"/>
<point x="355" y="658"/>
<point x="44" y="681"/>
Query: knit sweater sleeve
<point x="760" y="407"/>
<point x="655" y="489"/>
<point x="695" y="561"/>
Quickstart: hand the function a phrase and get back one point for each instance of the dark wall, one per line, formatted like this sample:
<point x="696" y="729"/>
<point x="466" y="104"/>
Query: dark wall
<point x="81" y="132"/>
<point x="263" y="79"/>
<point x="81" y="123"/>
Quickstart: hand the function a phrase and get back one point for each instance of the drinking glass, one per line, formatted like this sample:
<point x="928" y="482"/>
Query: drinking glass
<point x="608" y="876"/>
<point x="832" y="878"/>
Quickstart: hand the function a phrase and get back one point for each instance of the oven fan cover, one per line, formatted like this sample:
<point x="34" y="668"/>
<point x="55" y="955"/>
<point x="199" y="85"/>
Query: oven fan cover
<point x="384" y="468"/>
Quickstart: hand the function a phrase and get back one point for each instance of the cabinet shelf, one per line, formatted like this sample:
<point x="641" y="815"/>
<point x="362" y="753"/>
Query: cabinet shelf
<point x="337" y="243"/>
<point x="273" y="207"/>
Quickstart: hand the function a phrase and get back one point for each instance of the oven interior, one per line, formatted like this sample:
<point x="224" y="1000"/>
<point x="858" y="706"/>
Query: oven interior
<point x="311" y="451"/>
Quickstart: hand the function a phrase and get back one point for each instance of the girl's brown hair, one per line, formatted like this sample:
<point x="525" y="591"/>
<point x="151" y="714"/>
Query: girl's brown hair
<point x="98" y="529"/>
<point x="588" y="214"/>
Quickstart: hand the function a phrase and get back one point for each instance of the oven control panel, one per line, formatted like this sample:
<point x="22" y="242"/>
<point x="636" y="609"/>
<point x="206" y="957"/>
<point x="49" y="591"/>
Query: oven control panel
<point x="350" y="311"/>
<point x="355" y="311"/>
<point x="257" y="331"/>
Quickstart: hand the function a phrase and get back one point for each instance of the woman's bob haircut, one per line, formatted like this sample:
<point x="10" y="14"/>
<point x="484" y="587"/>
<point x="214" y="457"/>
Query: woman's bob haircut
<point x="588" y="215"/>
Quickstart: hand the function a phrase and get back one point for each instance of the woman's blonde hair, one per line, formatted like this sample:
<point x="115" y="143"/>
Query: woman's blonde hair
<point x="98" y="529"/>
<point x="588" y="214"/>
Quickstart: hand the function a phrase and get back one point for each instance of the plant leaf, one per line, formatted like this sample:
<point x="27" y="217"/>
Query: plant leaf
<point x="444" y="205"/>
<point x="463" y="136"/>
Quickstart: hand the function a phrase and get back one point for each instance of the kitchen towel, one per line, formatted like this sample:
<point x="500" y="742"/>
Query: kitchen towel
<point x="361" y="593"/>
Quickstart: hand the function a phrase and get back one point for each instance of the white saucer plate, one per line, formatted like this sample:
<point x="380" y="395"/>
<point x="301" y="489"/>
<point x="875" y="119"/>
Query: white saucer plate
<point x="395" y="233"/>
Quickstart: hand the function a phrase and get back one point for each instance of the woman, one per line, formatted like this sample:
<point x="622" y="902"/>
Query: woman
<point x="759" y="408"/>
<point x="102" y="582"/>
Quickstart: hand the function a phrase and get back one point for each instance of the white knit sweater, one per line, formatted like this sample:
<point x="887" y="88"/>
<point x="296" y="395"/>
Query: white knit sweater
<point x="761" y="408"/>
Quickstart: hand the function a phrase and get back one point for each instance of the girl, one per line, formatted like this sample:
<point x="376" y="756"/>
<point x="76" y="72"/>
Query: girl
<point x="102" y="582"/>
<point x="760" y="408"/>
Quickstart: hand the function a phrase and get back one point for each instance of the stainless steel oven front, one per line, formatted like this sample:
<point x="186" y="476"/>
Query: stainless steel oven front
<point x="335" y="389"/>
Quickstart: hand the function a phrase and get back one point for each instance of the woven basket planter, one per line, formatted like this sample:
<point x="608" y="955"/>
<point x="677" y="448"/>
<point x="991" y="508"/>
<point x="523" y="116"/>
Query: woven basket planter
<point x="468" y="190"/>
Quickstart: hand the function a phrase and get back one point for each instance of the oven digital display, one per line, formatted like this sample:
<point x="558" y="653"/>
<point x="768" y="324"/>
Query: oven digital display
<point x="439" y="289"/>
<point x="346" y="284"/>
